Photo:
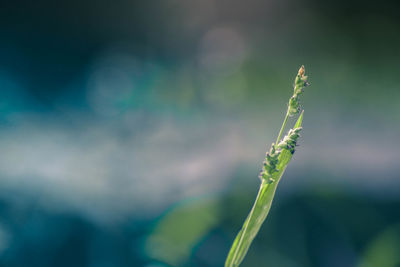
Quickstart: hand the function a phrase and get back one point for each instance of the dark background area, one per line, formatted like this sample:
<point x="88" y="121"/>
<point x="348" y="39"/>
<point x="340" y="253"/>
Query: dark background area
<point x="132" y="132"/>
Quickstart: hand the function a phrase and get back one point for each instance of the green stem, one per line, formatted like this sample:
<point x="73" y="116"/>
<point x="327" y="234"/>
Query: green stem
<point x="254" y="220"/>
<point x="283" y="127"/>
<point x="243" y="234"/>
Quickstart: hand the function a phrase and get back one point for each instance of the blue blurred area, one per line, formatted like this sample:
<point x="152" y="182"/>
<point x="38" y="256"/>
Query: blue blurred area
<point x="132" y="132"/>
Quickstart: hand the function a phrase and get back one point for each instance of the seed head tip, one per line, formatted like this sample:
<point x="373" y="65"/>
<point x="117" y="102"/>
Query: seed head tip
<point x="302" y="70"/>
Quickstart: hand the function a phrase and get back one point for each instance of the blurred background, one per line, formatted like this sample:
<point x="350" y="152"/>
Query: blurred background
<point x="132" y="132"/>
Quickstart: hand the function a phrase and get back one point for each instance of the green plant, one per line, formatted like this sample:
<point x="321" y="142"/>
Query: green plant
<point x="275" y="163"/>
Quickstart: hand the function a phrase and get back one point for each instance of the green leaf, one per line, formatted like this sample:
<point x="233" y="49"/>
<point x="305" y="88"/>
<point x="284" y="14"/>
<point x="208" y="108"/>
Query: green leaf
<point x="299" y="120"/>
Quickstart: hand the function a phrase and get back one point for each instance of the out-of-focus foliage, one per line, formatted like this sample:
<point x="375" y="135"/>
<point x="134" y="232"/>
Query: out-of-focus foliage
<point x="180" y="230"/>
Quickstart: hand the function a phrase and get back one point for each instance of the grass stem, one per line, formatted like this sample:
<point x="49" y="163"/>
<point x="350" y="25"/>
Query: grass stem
<point x="239" y="245"/>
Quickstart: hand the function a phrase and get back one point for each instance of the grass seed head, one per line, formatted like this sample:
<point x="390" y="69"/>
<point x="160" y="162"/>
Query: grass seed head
<point x="299" y="83"/>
